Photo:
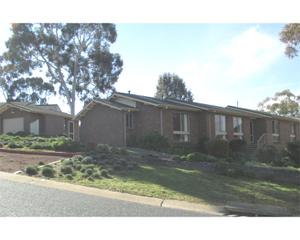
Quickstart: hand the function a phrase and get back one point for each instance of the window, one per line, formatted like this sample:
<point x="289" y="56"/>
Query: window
<point x="293" y="132"/>
<point x="129" y="120"/>
<point x="220" y="125"/>
<point x="181" y="127"/>
<point x="237" y="127"/>
<point x="275" y="131"/>
<point x="71" y="130"/>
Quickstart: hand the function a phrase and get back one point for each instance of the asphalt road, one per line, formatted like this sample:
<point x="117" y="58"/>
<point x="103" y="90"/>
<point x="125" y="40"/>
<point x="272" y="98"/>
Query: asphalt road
<point x="27" y="200"/>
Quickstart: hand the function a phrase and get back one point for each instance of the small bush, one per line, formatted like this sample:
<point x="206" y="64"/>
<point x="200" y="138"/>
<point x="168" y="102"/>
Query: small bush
<point x="103" y="148"/>
<point x="13" y="145"/>
<point x="202" y="144"/>
<point x="88" y="172"/>
<point x="68" y="162"/>
<point x="293" y="152"/>
<point x="48" y="171"/>
<point x="87" y="160"/>
<point x="237" y="145"/>
<point x="104" y="173"/>
<point x="90" y="178"/>
<point x="30" y="171"/>
<point x="268" y="154"/>
<point x="69" y="176"/>
<point x="41" y="163"/>
<point x="199" y="157"/>
<point x="218" y="148"/>
<point x="97" y="175"/>
<point x="66" y="170"/>
<point x="154" y="141"/>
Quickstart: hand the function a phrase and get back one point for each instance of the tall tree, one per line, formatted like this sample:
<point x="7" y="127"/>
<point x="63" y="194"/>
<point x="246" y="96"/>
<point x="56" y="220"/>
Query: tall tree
<point x="290" y="35"/>
<point x="171" y="85"/>
<point x="75" y="57"/>
<point x="284" y="103"/>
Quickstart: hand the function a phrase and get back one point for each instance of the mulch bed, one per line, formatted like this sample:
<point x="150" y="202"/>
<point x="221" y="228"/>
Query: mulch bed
<point x="12" y="162"/>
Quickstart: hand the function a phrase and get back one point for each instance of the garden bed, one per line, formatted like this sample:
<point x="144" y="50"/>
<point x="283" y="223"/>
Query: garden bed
<point x="12" y="162"/>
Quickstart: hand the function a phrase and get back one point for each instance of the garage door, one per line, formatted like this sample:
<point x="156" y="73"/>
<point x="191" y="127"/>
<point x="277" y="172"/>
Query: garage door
<point x="13" y="125"/>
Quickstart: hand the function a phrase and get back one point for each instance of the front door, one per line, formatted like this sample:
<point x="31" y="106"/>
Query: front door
<point x="251" y="131"/>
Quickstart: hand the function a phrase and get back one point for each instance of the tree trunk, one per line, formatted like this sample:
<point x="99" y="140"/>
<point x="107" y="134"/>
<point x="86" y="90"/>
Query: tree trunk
<point x="72" y="108"/>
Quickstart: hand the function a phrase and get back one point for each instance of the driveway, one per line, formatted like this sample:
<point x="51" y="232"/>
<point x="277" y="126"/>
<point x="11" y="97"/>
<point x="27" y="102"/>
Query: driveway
<point x="19" y="199"/>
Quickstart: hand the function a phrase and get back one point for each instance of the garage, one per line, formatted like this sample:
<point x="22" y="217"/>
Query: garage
<point x="13" y="125"/>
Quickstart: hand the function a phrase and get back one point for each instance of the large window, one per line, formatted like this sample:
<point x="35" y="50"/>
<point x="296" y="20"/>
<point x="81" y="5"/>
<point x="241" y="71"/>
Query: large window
<point x="129" y="120"/>
<point x="237" y="127"/>
<point x="181" y="127"/>
<point x="220" y="125"/>
<point x="71" y="129"/>
<point x="275" y="131"/>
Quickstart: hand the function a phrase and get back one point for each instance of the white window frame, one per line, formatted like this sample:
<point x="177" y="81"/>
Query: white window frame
<point x="185" y="132"/>
<point x="71" y="134"/>
<point x="129" y="120"/>
<point x="275" y="131"/>
<point x="219" y="118"/>
<point x="239" y="121"/>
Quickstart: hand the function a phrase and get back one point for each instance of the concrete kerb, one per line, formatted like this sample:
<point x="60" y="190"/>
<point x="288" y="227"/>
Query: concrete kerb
<point x="195" y="207"/>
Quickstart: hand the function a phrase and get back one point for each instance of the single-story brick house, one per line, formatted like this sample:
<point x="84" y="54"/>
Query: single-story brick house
<point x="125" y="118"/>
<point x="45" y="120"/>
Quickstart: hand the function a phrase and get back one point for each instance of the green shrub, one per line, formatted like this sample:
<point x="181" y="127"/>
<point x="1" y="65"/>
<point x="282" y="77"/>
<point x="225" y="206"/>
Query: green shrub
<point x="268" y="154"/>
<point x="68" y="162"/>
<point x="13" y="145"/>
<point x="154" y="141"/>
<point x="89" y="172"/>
<point x="292" y="150"/>
<point x="104" y="173"/>
<point x="69" y="176"/>
<point x="183" y="148"/>
<point x="103" y="148"/>
<point x="31" y="170"/>
<point x="218" y="148"/>
<point x="87" y="160"/>
<point x="66" y="170"/>
<point x="41" y="145"/>
<point x="238" y="157"/>
<point x="199" y="157"/>
<point x="90" y="178"/>
<point x="202" y="144"/>
<point x="96" y="175"/>
<point x="48" y="171"/>
<point x="237" y="145"/>
<point x="41" y="163"/>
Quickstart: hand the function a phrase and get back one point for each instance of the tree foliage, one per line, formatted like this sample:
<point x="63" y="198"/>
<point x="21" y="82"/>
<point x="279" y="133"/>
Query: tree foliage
<point x="75" y="57"/>
<point x="284" y="103"/>
<point x="290" y="35"/>
<point x="172" y="86"/>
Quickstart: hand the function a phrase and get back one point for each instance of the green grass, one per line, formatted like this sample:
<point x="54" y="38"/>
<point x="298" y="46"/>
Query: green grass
<point x="196" y="186"/>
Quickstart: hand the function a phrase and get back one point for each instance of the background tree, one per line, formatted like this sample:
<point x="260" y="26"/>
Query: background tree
<point x="75" y="58"/>
<point x="290" y="35"/>
<point x="283" y="103"/>
<point x="171" y="85"/>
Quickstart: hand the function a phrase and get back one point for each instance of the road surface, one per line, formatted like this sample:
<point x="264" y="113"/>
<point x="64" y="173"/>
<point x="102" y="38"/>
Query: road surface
<point x="28" y="200"/>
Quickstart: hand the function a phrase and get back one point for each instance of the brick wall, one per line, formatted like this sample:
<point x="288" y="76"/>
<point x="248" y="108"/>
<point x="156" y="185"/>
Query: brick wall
<point x="102" y="125"/>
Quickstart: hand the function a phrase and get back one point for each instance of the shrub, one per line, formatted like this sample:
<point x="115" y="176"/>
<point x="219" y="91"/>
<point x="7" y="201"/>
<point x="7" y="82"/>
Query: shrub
<point x="1" y="145"/>
<point x="90" y="178"/>
<point x="293" y="152"/>
<point x="68" y="162"/>
<point x="202" y="144"/>
<point x="237" y="145"/>
<point x="30" y="170"/>
<point x="104" y="173"/>
<point x="13" y="145"/>
<point x="41" y="163"/>
<point x="69" y="176"/>
<point x="154" y="141"/>
<point x="87" y="160"/>
<point x="41" y="145"/>
<point x="218" y="148"/>
<point x="66" y="144"/>
<point x="268" y="154"/>
<point x="96" y="175"/>
<point x="238" y="157"/>
<point x="183" y="149"/>
<point x="88" y="172"/>
<point x="199" y="157"/>
<point x="48" y="171"/>
<point x="66" y="170"/>
<point x="103" y="148"/>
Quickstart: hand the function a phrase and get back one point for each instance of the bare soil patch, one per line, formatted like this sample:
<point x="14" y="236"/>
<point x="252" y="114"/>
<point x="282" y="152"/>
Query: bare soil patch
<point x="12" y="162"/>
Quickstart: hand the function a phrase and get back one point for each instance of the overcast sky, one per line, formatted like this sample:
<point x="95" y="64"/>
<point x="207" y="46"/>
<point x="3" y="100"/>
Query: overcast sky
<point x="220" y="63"/>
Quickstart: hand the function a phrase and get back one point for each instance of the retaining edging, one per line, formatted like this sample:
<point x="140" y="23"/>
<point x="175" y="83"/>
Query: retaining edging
<point x="62" y="154"/>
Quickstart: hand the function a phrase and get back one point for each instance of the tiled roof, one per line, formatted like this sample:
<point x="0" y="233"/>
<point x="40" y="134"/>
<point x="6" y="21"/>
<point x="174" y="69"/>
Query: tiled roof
<point x="42" y="109"/>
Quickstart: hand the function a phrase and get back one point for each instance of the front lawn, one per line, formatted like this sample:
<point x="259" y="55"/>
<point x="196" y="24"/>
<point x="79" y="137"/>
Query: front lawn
<point x="127" y="173"/>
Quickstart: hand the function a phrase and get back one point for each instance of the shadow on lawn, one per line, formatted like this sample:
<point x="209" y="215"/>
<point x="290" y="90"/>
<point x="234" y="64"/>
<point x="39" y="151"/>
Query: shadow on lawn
<point x="213" y="188"/>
